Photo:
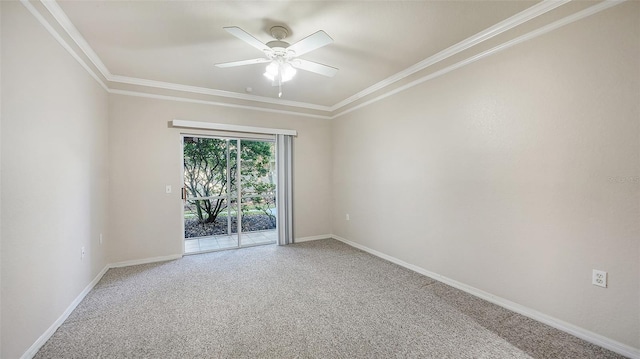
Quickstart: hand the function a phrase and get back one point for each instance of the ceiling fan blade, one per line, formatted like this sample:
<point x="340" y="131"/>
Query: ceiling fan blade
<point x="246" y="37"/>
<point x="310" y="43"/>
<point x="314" y="67"/>
<point x="242" y="63"/>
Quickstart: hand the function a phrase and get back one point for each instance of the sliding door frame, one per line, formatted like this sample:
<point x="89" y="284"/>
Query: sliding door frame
<point x="227" y="137"/>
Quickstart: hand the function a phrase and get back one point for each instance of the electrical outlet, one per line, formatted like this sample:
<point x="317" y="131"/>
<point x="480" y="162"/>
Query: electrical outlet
<point x="347" y="217"/>
<point x="82" y="253"/>
<point x="599" y="278"/>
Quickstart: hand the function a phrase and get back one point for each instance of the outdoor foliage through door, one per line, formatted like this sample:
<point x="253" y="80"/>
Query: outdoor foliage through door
<point x="212" y="182"/>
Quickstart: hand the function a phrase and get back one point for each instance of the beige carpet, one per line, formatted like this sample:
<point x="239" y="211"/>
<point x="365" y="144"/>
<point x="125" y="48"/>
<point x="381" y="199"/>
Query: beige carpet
<point x="320" y="299"/>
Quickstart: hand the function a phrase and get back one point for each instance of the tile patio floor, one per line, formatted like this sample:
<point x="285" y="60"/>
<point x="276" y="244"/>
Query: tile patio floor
<point x="205" y="244"/>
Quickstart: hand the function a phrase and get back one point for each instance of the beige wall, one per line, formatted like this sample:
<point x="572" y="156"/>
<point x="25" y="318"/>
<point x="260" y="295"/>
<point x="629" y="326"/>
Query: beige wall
<point x="54" y="179"/>
<point x="146" y="222"/>
<point x="1" y="180"/>
<point x="516" y="175"/>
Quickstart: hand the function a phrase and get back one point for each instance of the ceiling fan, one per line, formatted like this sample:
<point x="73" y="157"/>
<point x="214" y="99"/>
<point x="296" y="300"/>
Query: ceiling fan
<point x="283" y="58"/>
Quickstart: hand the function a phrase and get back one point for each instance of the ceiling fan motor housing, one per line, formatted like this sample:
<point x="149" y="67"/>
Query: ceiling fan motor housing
<point x="279" y="47"/>
<point x="279" y="32"/>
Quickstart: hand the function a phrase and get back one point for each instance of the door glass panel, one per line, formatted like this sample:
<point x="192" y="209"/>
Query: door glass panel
<point x="206" y="183"/>
<point x="227" y="182"/>
<point x="258" y="192"/>
<point x="258" y="220"/>
<point x="198" y="221"/>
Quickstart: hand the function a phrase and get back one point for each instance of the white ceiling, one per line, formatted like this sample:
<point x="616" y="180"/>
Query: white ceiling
<point x="145" y="46"/>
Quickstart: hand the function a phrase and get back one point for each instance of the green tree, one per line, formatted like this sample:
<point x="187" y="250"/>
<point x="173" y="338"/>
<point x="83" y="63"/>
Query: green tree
<point x="205" y="169"/>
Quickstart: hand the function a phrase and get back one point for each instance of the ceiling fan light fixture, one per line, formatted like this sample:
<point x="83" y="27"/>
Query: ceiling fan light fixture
<point x="287" y="72"/>
<point x="279" y="71"/>
<point x="271" y="71"/>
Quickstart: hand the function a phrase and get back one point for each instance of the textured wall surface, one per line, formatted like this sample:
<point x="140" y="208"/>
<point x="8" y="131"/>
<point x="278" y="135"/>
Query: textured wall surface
<point x="516" y="175"/>
<point x="145" y="155"/>
<point x="54" y="179"/>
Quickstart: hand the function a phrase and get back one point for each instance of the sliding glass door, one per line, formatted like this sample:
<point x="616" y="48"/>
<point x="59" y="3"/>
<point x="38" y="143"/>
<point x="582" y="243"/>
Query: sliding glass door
<point x="229" y="193"/>
<point x="257" y="192"/>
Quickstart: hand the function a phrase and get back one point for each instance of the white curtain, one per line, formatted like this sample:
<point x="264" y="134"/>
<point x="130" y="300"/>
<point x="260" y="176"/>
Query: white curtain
<point x="284" y="191"/>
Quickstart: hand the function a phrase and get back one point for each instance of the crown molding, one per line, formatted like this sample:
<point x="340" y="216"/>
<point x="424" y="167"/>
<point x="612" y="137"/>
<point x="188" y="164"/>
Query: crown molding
<point x="497" y="29"/>
<point x="214" y="103"/>
<point x="520" y="39"/>
<point x="214" y="92"/>
<point x="62" y="42"/>
<point x="526" y="15"/>
<point x="41" y="19"/>
<point x="64" y="21"/>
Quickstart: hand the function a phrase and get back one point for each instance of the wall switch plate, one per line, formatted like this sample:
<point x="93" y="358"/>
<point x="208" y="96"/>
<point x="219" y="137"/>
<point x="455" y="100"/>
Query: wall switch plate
<point x="167" y="189"/>
<point x="599" y="278"/>
<point x="82" y="253"/>
<point x="347" y="217"/>
<point x="100" y="238"/>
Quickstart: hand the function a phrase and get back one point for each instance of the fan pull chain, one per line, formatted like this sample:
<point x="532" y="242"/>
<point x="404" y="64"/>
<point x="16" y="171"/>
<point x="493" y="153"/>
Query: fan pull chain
<point x="279" y="88"/>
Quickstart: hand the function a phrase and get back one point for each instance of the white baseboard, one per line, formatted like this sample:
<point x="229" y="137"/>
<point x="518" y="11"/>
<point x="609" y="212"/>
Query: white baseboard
<point x="136" y="262"/>
<point x="312" y="238"/>
<point x="589" y="336"/>
<point x="31" y="352"/>
<point x="574" y="330"/>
